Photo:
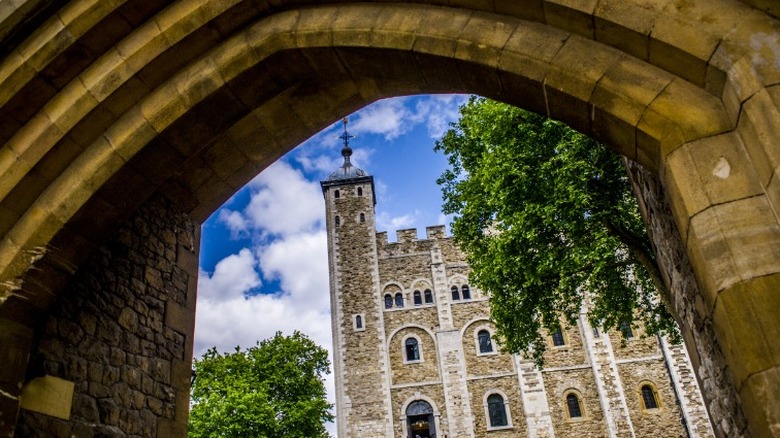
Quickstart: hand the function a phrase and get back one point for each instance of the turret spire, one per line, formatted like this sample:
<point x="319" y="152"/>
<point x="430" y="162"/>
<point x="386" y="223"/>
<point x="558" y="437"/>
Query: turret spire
<point x="346" y="151"/>
<point x="347" y="170"/>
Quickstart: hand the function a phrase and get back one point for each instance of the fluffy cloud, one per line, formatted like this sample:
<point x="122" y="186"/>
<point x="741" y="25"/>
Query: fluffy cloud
<point x="393" y="223"/>
<point x="282" y="202"/>
<point x="233" y="276"/>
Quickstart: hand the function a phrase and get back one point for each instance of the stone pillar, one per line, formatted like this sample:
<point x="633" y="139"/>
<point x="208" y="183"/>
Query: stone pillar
<point x="693" y="315"/>
<point x="535" y="405"/>
<point x="697" y="422"/>
<point x="608" y="383"/>
<point x="118" y="344"/>
<point x="453" y="379"/>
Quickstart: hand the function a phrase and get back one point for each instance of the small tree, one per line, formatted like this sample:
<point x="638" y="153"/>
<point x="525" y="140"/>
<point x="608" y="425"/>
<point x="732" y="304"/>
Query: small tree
<point x="545" y="214"/>
<point x="273" y="389"/>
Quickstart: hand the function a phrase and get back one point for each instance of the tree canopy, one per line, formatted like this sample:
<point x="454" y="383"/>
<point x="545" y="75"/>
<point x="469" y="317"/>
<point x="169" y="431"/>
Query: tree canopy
<point x="273" y="389"/>
<point x="546" y="216"/>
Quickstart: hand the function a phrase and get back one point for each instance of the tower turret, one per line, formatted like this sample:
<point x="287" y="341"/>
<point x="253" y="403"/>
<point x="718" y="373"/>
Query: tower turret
<point x="359" y="351"/>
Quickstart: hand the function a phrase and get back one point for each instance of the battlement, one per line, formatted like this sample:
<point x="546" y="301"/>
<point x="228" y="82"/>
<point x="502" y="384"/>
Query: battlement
<point x="409" y="235"/>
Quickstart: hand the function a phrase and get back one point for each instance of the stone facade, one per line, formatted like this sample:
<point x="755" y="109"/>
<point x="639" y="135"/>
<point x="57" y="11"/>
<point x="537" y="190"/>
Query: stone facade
<point x="420" y="346"/>
<point x="123" y="336"/>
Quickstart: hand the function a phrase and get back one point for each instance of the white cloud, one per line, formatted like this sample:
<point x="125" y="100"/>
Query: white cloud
<point x="438" y="111"/>
<point x="282" y="202"/>
<point x="388" y="117"/>
<point x="236" y="222"/>
<point x="300" y="263"/>
<point x="393" y="223"/>
<point x="233" y="276"/>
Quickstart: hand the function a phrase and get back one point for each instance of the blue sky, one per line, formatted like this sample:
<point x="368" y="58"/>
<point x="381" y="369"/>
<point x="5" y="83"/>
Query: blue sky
<point x="263" y="262"/>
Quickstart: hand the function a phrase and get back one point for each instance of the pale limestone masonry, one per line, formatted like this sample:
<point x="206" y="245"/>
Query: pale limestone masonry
<point x="378" y="384"/>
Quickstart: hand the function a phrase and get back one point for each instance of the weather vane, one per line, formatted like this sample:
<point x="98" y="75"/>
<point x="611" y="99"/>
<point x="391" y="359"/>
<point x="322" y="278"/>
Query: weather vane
<point x="345" y="136"/>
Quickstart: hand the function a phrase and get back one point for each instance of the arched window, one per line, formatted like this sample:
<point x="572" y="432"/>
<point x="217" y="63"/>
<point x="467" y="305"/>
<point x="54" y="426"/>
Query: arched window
<point x="360" y="191"/>
<point x="388" y="301"/>
<point x="336" y="194"/>
<point x="412" y="350"/>
<point x="573" y="405"/>
<point x="497" y="411"/>
<point x="399" y="300"/>
<point x="419" y="419"/>
<point x="455" y="293"/>
<point x="466" y="292"/>
<point x="625" y="328"/>
<point x="358" y="322"/>
<point x="338" y="221"/>
<point x="428" y="296"/>
<point x="557" y="337"/>
<point x="417" y="298"/>
<point x="648" y="397"/>
<point x="485" y="344"/>
<point x="362" y="217"/>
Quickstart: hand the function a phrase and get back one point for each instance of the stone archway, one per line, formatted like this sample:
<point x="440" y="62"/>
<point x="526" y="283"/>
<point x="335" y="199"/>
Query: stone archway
<point x="105" y="105"/>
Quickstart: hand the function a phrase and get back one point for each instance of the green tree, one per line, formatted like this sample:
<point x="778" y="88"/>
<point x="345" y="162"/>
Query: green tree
<point x="544" y="214"/>
<point x="273" y="389"/>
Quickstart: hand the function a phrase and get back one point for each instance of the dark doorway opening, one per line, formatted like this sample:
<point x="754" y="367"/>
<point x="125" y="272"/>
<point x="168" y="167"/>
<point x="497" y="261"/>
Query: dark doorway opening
<point x="420" y="422"/>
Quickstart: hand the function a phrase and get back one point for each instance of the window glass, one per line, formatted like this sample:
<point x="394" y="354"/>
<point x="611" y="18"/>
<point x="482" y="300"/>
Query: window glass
<point x="573" y="404"/>
<point x="466" y="292"/>
<point x="557" y="337"/>
<point x="360" y="191"/>
<point x="417" y="298"/>
<point x="485" y="344"/>
<point x="388" y="301"/>
<point x="412" y="350"/>
<point x="359" y="322"/>
<point x="497" y="411"/>
<point x="338" y="221"/>
<point x="428" y="296"/>
<point x="336" y="194"/>
<point x="648" y="397"/>
<point x="625" y="328"/>
<point x="362" y="217"/>
<point x="455" y="293"/>
<point x="399" y="300"/>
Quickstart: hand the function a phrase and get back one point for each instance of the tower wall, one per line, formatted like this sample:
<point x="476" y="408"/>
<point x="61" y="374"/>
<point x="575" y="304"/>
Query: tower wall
<point x="360" y="356"/>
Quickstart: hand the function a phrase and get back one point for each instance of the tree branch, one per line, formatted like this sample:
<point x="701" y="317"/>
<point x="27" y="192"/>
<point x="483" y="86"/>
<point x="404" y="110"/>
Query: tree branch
<point x="639" y="250"/>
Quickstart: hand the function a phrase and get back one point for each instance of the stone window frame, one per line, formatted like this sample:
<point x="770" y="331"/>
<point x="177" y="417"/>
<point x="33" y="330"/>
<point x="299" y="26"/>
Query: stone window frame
<point x="420" y="285"/>
<point x="625" y="327"/>
<point x="428" y="292"/>
<point x="355" y="322"/>
<point x="492" y="332"/>
<point x="564" y="337"/>
<point x="465" y="289"/>
<point x="507" y="410"/>
<point x="421" y="358"/>
<point x="393" y="288"/>
<point x="417" y="296"/>
<point x="418" y="396"/>
<point x="580" y="400"/>
<point x="396" y="305"/>
<point x="454" y="291"/>
<point x="656" y="394"/>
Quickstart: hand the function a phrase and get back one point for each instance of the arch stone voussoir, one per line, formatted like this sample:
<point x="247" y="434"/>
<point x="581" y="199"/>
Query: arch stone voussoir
<point x="107" y="105"/>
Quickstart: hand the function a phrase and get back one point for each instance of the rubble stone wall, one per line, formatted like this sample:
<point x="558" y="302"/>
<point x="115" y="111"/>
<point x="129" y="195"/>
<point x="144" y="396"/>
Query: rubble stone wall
<point x="123" y="335"/>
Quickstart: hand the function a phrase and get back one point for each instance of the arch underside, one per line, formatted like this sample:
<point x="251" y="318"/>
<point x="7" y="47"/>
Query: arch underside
<point x="104" y="104"/>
